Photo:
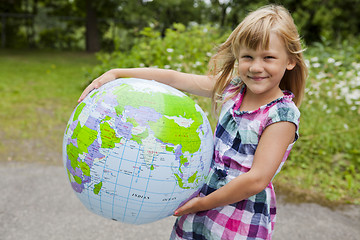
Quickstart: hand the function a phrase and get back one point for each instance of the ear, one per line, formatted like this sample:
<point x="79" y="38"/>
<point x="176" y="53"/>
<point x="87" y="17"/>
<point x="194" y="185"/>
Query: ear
<point x="291" y="64"/>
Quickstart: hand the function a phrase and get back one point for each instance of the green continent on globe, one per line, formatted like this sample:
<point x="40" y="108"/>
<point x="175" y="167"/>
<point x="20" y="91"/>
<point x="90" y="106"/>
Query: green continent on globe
<point x="134" y="144"/>
<point x="84" y="137"/>
<point x="177" y="127"/>
<point x="78" y="111"/>
<point x="166" y="129"/>
<point x="190" y="180"/>
<point x="108" y="136"/>
<point x="97" y="188"/>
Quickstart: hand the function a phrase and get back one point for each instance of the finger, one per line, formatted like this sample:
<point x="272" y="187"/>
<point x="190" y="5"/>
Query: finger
<point x="177" y="214"/>
<point x="84" y="94"/>
<point x="181" y="211"/>
<point x="86" y="91"/>
<point x="97" y="83"/>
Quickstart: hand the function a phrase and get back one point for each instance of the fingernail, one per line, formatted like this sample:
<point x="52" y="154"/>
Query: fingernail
<point x="176" y="212"/>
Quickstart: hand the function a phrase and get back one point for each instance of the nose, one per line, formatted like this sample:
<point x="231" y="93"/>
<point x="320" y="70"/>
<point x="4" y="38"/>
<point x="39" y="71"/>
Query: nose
<point x="256" y="66"/>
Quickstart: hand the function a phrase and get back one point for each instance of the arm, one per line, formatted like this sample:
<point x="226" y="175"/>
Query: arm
<point x="268" y="156"/>
<point x="196" y="84"/>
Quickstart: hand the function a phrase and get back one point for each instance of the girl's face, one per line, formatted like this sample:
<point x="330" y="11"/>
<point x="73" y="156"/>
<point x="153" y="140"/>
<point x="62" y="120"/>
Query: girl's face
<point x="262" y="70"/>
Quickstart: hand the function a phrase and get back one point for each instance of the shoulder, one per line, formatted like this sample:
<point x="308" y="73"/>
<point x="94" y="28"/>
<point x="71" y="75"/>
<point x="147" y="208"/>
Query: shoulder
<point x="284" y="110"/>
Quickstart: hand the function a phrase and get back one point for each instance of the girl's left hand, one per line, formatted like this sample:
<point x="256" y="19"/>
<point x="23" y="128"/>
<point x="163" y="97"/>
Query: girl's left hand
<point x="192" y="206"/>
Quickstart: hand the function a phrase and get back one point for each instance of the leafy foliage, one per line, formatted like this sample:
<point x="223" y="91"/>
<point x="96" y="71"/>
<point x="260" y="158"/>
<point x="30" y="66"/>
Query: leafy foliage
<point x="316" y="19"/>
<point x="328" y="151"/>
<point x="182" y="49"/>
<point x="326" y="159"/>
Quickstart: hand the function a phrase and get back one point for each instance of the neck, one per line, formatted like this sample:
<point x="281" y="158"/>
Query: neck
<point x="253" y="101"/>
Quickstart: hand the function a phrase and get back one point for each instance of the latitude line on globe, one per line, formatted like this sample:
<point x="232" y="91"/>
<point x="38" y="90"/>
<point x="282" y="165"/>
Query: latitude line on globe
<point x="132" y="178"/>
<point x="102" y="178"/>
<point x="161" y="131"/>
<point x="175" y="185"/>
<point x="147" y="184"/>
<point x="88" y="192"/>
<point x="171" y="194"/>
<point x="129" y="160"/>
<point x="117" y="178"/>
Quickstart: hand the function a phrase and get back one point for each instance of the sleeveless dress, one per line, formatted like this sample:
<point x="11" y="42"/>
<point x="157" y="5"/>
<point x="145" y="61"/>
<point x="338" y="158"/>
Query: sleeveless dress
<point x="236" y="138"/>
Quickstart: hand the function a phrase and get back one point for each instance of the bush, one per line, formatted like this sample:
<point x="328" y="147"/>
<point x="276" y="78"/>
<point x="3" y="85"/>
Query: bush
<point x="186" y="49"/>
<point x="58" y="38"/>
<point x="328" y="149"/>
<point x="183" y="49"/>
<point x="326" y="159"/>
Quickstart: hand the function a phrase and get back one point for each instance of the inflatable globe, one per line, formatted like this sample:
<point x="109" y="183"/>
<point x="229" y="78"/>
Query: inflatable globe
<point x="134" y="150"/>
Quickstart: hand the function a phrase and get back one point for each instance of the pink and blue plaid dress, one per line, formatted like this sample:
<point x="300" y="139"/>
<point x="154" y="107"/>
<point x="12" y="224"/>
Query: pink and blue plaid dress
<point x="236" y="138"/>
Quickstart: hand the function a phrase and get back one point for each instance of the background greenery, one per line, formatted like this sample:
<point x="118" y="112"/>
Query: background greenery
<point x="326" y="159"/>
<point x="95" y="25"/>
<point x="39" y="88"/>
<point x="38" y="92"/>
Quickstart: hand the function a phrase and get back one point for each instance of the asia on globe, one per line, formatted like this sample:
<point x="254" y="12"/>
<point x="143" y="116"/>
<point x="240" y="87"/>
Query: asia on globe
<point x="134" y="150"/>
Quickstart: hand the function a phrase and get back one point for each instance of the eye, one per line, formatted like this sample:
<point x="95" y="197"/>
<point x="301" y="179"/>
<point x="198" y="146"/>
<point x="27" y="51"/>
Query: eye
<point x="246" y="57"/>
<point x="269" y="57"/>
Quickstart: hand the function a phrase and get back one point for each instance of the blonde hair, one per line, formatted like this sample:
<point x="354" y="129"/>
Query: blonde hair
<point x="254" y="32"/>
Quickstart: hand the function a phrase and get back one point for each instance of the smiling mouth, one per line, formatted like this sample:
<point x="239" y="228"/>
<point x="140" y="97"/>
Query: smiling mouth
<point x="257" y="78"/>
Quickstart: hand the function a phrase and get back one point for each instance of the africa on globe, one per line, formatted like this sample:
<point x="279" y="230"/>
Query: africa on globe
<point x="134" y="150"/>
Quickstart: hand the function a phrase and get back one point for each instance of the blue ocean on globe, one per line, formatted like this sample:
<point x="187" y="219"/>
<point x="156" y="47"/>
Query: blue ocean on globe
<point x="134" y="150"/>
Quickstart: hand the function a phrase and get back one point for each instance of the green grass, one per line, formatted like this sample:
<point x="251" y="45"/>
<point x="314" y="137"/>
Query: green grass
<point x="324" y="164"/>
<point x="38" y="92"/>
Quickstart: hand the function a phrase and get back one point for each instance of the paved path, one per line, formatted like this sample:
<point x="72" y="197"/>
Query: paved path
<point x="36" y="203"/>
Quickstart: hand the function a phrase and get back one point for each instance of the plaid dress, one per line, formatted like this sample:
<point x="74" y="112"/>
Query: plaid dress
<point x="236" y="138"/>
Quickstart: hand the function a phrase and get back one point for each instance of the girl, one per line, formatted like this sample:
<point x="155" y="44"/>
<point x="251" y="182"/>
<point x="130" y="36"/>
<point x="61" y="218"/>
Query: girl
<point x="257" y="127"/>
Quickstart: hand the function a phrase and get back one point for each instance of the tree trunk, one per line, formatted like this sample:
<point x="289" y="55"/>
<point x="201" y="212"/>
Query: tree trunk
<point x="31" y="25"/>
<point x="92" y="32"/>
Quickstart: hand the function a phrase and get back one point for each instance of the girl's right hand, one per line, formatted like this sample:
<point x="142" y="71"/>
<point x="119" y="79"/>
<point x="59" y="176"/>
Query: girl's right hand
<point x="98" y="82"/>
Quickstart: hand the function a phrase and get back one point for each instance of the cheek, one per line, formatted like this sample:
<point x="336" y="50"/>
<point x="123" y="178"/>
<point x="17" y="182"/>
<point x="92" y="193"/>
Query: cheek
<point x="242" y="68"/>
<point x="279" y="68"/>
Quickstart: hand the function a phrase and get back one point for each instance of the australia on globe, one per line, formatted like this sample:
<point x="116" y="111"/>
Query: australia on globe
<point x="134" y="150"/>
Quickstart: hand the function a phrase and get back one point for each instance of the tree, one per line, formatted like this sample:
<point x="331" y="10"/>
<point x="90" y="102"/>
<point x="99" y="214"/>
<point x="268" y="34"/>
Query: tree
<point x="95" y="27"/>
<point x="59" y="23"/>
<point x="92" y="31"/>
<point x="10" y="33"/>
